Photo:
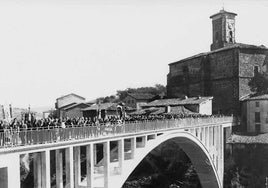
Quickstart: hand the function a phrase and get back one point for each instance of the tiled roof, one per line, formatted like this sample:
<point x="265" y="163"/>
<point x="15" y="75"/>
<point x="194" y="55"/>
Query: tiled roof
<point x="176" y="110"/>
<point x="67" y="105"/>
<point x="236" y="45"/>
<point x="128" y="108"/>
<point x="222" y="12"/>
<point x="146" y="111"/>
<point x="83" y="105"/>
<point x="140" y="96"/>
<point x="102" y="106"/>
<point x="71" y="94"/>
<point x="159" y="110"/>
<point x="178" y="101"/>
<point x="241" y="139"/>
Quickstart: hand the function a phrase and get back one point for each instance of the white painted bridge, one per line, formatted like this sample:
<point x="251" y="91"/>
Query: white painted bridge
<point x="109" y="153"/>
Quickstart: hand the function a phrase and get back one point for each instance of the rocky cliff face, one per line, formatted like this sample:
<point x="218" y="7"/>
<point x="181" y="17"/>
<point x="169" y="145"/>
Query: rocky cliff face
<point x="247" y="167"/>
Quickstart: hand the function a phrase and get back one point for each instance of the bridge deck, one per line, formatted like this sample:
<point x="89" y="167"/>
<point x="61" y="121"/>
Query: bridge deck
<point x="10" y="138"/>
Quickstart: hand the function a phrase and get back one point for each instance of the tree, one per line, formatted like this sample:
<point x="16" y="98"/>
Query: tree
<point x="259" y="83"/>
<point x="158" y="89"/>
<point x="111" y="98"/>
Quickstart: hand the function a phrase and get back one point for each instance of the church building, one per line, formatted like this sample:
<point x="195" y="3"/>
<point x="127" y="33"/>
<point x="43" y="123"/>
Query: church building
<point x="223" y="72"/>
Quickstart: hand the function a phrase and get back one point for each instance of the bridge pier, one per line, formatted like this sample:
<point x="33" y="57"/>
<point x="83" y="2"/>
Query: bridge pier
<point x="59" y="169"/>
<point x="37" y="171"/>
<point x="133" y="147"/>
<point x="77" y="166"/>
<point x="95" y="153"/>
<point x="69" y="166"/>
<point x="106" y="163"/>
<point x="90" y="165"/>
<point x="206" y="136"/>
<point x="210" y="135"/>
<point x="47" y="169"/>
<point x="221" y="153"/>
<point x="121" y="154"/>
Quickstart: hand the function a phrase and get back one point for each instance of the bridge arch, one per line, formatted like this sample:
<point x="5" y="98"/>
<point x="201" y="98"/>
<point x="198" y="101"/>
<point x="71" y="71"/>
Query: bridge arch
<point x="195" y="150"/>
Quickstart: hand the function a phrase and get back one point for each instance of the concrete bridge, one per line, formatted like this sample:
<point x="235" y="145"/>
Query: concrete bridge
<point x="110" y="152"/>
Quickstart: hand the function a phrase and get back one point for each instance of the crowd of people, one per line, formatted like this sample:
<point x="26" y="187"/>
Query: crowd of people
<point x="34" y="131"/>
<point x="50" y="123"/>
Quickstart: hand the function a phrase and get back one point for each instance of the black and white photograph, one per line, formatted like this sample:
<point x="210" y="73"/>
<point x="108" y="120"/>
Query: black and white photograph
<point x="134" y="94"/>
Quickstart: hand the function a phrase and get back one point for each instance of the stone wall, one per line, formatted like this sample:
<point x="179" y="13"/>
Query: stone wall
<point x="225" y="95"/>
<point x="184" y="77"/>
<point x="74" y="113"/>
<point x="248" y="59"/>
<point x="223" y="64"/>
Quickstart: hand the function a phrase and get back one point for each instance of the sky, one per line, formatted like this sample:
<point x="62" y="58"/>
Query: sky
<point x="50" y="48"/>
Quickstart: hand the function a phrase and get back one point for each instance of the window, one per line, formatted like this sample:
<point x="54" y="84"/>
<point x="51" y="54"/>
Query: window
<point x="257" y="104"/>
<point x="256" y="70"/>
<point x="257" y="117"/>
<point x="231" y="36"/>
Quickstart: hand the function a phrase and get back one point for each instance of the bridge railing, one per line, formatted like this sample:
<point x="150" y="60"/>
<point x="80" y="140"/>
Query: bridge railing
<point x="42" y="136"/>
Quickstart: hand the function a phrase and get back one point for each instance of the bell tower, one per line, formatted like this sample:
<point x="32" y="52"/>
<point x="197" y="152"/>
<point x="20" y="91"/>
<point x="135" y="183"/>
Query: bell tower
<point x="223" y="29"/>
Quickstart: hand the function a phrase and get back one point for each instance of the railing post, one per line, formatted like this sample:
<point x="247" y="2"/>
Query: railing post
<point x="133" y="147"/>
<point x="95" y="153"/>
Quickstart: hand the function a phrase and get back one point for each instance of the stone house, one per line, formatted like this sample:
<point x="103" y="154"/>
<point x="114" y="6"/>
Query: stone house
<point x="103" y="110"/>
<point x="192" y="105"/>
<point x="136" y="100"/>
<point x="255" y="114"/>
<point x="74" y="111"/>
<point x="67" y="101"/>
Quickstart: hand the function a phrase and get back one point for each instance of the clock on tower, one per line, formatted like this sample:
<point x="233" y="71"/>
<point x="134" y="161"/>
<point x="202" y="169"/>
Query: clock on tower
<point x="230" y="30"/>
